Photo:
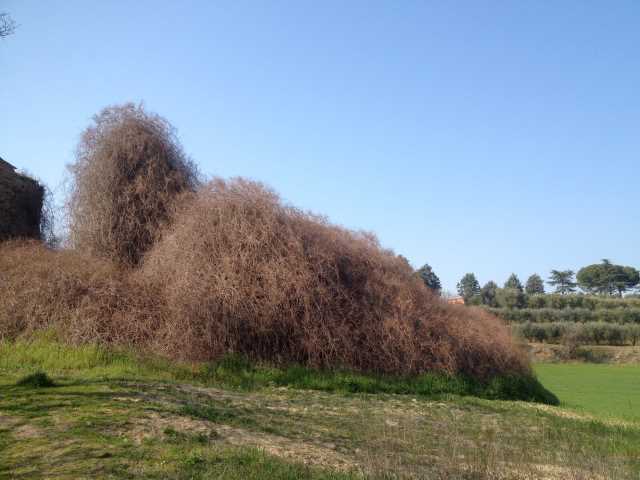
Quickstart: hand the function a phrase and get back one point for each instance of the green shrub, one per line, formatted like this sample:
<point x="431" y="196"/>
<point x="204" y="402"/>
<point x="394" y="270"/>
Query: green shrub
<point x="630" y="315"/>
<point x="589" y="302"/>
<point x="633" y="334"/>
<point x="578" y="333"/>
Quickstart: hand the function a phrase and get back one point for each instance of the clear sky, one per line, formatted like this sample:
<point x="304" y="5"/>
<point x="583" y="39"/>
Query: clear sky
<point x="491" y="137"/>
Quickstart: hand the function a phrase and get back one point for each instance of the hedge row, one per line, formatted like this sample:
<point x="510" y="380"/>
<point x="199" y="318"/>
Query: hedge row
<point x="543" y="315"/>
<point x="590" y="302"/>
<point x="590" y="333"/>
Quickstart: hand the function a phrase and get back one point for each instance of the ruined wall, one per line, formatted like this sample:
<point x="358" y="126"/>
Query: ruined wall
<point x="21" y="200"/>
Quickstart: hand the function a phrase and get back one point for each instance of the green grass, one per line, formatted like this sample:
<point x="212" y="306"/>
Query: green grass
<point x="43" y="353"/>
<point x="607" y="391"/>
<point x="234" y="371"/>
<point x="112" y="414"/>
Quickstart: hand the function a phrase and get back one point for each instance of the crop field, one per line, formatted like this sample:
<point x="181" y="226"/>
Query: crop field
<point x="605" y="391"/>
<point x="97" y="413"/>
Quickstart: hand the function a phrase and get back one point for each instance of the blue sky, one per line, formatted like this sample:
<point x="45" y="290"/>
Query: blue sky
<point x="491" y="137"/>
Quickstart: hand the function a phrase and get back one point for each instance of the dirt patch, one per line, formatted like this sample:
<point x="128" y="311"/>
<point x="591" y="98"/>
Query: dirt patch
<point x="547" y="472"/>
<point x="155" y="425"/>
<point x="26" y="432"/>
<point x="288" y="449"/>
<point x="7" y="421"/>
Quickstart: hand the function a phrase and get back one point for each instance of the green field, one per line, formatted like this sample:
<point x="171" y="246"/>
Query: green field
<point x="605" y="391"/>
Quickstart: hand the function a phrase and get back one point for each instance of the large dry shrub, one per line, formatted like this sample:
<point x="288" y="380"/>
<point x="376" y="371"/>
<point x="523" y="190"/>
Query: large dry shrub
<point x="129" y="169"/>
<point x="241" y="272"/>
<point x="83" y="298"/>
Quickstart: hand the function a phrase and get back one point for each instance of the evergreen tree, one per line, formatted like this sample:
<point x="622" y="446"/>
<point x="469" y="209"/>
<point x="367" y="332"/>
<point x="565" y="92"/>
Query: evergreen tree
<point x="535" y="285"/>
<point x="607" y="278"/>
<point x="563" y="281"/>
<point x="429" y="278"/>
<point x="469" y="288"/>
<point x="514" y="282"/>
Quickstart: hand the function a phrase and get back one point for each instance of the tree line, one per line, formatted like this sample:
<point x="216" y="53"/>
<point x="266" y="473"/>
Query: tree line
<point x="604" y="278"/>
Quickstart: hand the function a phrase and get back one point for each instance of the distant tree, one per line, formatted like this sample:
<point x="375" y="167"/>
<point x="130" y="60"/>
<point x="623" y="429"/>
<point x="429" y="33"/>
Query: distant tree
<point x="429" y="278"/>
<point x="630" y="280"/>
<point x="606" y="278"/>
<point x="7" y="25"/>
<point x="510" y="298"/>
<point x="563" y="281"/>
<point x="535" y="285"/>
<point x="469" y="288"/>
<point x="513" y="282"/>
<point x="488" y="294"/>
<point x="597" y="278"/>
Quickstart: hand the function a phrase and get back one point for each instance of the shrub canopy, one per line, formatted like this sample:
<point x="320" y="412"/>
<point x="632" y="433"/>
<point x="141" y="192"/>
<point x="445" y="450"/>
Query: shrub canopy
<point x="129" y="170"/>
<point x="253" y="276"/>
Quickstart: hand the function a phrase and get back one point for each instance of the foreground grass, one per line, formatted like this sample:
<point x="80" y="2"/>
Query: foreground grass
<point x="607" y="391"/>
<point x="233" y="372"/>
<point x="100" y="414"/>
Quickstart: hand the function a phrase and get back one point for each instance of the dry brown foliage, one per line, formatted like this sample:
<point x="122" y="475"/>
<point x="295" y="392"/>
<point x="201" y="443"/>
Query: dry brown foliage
<point x="241" y="272"/>
<point x="83" y="298"/>
<point x="129" y="169"/>
<point x="199" y="272"/>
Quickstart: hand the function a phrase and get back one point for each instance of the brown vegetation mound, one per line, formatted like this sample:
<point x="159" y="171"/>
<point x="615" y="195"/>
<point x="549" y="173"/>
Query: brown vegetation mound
<point x="241" y="272"/>
<point x="82" y="298"/>
<point x="129" y="169"/>
<point x="228" y="269"/>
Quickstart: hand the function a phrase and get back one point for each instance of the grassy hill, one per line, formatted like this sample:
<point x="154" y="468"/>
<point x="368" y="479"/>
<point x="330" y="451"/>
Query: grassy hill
<point x="103" y="414"/>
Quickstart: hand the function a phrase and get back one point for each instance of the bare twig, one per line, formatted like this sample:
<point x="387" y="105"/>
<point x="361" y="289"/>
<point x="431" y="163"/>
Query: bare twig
<point x="7" y="25"/>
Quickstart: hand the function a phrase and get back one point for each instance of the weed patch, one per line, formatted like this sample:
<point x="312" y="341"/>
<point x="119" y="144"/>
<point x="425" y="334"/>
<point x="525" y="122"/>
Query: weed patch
<point x="36" y="380"/>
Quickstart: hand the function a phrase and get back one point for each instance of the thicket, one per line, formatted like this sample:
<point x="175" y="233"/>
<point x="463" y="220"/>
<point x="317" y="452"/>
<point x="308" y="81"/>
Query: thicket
<point x="83" y="298"/>
<point x="198" y="272"/>
<point x="129" y="170"/>
<point x="589" y="333"/>
<point x="266" y="280"/>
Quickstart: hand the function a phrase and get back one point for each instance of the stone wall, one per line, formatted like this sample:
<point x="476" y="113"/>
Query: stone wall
<point x="21" y="200"/>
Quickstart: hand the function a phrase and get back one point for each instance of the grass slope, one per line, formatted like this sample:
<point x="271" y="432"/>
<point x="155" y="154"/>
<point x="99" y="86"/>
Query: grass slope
<point x="234" y="372"/>
<point x="105" y="415"/>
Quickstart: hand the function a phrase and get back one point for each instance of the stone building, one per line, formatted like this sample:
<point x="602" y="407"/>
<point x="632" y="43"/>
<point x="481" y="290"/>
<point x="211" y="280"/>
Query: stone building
<point x="21" y="200"/>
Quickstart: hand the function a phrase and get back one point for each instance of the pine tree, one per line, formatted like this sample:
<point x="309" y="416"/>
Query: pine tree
<point x="429" y="278"/>
<point x="514" y="282"/>
<point x="469" y="288"/>
<point x="535" y="285"/>
<point x="563" y="281"/>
